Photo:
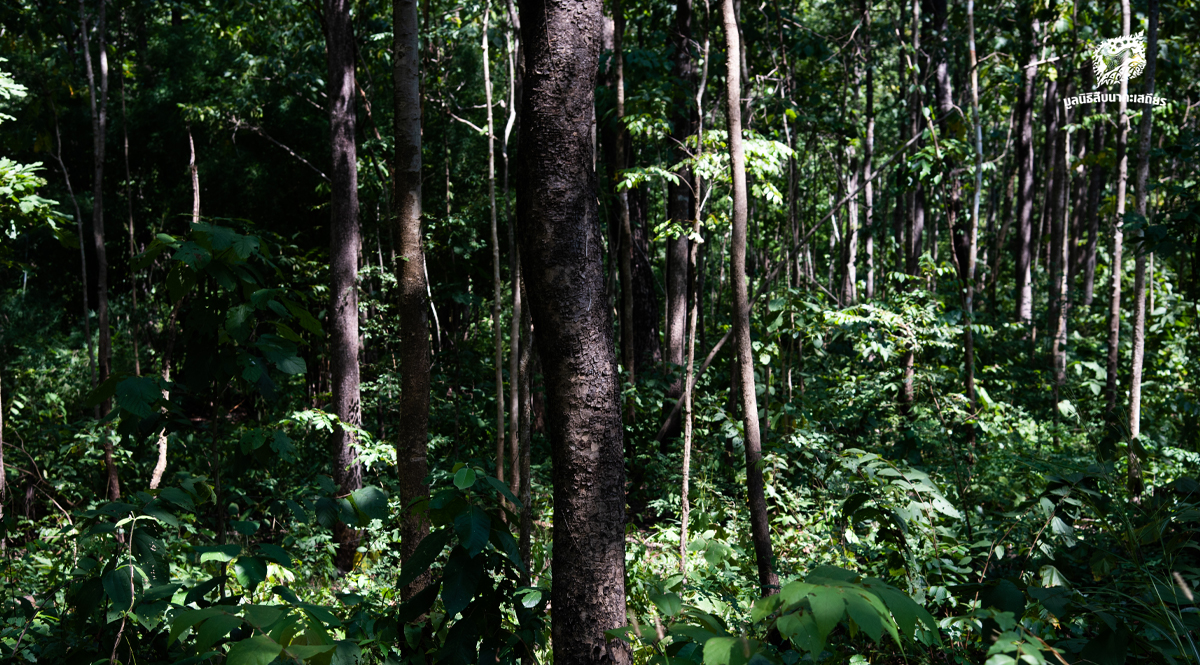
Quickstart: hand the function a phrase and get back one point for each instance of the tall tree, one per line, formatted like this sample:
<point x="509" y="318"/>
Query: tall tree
<point x="760" y="527"/>
<point x="869" y="153"/>
<point x="968" y="239"/>
<point x="98" y="100"/>
<point x="1139" y="284"/>
<point x="344" y="244"/>
<point x="413" y="430"/>
<point x="621" y="199"/>
<point x="497" y="331"/>
<point x="1115" y="258"/>
<point x="1025" y="181"/>
<point x="560" y="244"/>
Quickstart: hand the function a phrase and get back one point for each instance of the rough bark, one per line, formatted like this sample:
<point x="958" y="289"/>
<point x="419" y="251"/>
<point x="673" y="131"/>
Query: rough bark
<point x="413" y="427"/>
<point x="561" y="259"/>
<point x="1060" y="257"/>
<point x="1115" y="269"/>
<point x="971" y="233"/>
<point x="680" y="196"/>
<point x="768" y="580"/>
<point x="344" y="245"/>
<point x="1135" y="482"/>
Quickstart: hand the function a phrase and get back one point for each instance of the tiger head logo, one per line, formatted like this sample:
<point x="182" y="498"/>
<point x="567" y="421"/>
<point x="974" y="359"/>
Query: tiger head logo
<point x="1119" y="58"/>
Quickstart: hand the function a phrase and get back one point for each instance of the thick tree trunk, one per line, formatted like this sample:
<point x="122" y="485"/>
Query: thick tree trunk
<point x="98" y="98"/>
<point x="514" y="268"/>
<point x="527" y="365"/>
<point x="344" y="245"/>
<point x="1025" y="182"/>
<point x="768" y="580"/>
<point x="1135" y="482"/>
<point x="1060" y="258"/>
<point x="971" y="233"/>
<point x="561" y="259"/>
<point x="413" y="427"/>
<point x="1115" y="270"/>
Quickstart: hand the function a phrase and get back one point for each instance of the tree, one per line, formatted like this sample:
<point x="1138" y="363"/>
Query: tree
<point x="559" y="238"/>
<point x="1115" y="267"/>
<point x="413" y="430"/>
<point x="1025" y="173"/>
<point x="1139" y="285"/>
<point x="343" y="262"/>
<point x="98" y="99"/>
<point x="768" y="580"/>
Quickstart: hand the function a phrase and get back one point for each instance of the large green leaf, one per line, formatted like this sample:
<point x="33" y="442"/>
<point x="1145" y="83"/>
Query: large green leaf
<point x="828" y="607"/>
<point x="138" y="395"/>
<point x="215" y="629"/>
<point x="257" y="650"/>
<point x="119" y="587"/>
<point x="428" y="550"/>
<point x="149" y="554"/>
<point x="473" y="528"/>
<point x="219" y="553"/>
<point x="864" y="615"/>
<point x="728" y="650"/>
<point x="250" y="571"/>
<point x="460" y="580"/>
<point x="188" y="618"/>
<point x="372" y="502"/>
<point x="669" y="604"/>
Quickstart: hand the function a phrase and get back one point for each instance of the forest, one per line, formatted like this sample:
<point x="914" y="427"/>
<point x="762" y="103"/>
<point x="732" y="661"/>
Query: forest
<point x="600" y="331"/>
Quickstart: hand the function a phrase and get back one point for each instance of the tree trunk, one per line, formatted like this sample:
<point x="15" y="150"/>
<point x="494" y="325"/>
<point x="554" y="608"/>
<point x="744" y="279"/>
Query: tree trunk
<point x="99" y="107"/>
<point x="622" y="203"/>
<point x="527" y="365"/>
<point x="1095" y="189"/>
<point x="514" y="268"/>
<point x="646" y="344"/>
<point x="1114" y="299"/>
<point x="561" y="259"/>
<point x="137" y="355"/>
<point x="768" y="580"/>
<point x="1025" y="182"/>
<point x="1139" y="286"/>
<point x="496" y="283"/>
<point x="343" y="264"/>
<point x="413" y="427"/>
<point x="1060" y="256"/>
<point x="971" y="240"/>
<point x="869" y="155"/>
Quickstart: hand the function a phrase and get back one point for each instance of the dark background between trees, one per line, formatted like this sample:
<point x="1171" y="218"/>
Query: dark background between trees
<point x="804" y="331"/>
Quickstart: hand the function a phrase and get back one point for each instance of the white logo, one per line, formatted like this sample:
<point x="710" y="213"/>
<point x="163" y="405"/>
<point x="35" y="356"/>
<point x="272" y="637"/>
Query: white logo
<point x="1119" y="58"/>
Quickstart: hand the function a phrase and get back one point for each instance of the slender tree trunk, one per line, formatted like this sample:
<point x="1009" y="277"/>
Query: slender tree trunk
<point x="1060" y="263"/>
<point x="869" y="154"/>
<point x="413" y="427"/>
<point x="622" y="201"/>
<point x="194" y="174"/>
<point x="98" y="98"/>
<point x="972" y="231"/>
<point x="496" y="283"/>
<point x="525" y="493"/>
<point x="514" y="268"/>
<point x="680" y="200"/>
<point x="559" y="236"/>
<point x="695" y="289"/>
<point x="1025" y="183"/>
<point x="1135" y="482"/>
<point x="1114" y="300"/>
<point x="137" y="355"/>
<point x="768" y="580"/>
<point x="83" y="271"/>
<point x="1095" y="188"/>
<point x="344" y="243"/>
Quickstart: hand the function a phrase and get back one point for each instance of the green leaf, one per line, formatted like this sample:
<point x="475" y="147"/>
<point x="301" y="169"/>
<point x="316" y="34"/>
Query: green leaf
<point x="464" y="479"/>
<point x="530" y="596"/>
<point x="119" y="587"/>
<point x="215" y="629"/>
<point x="763" y="607"/>
<point x="257" y="650"/>
<point x="828" y="607"/>
<point x="669" y="604"/>
<point x="460" y="580"/>
<point x="180" y="280"/>
<point x="220" y="553"/>
<point x="864" y="615"/>
<point x="418" y="605"/>
<point x="262" y="616"/>
<point x="306" y="651"/>
<point x="192" y="255"/>
<point x="473" y="528"/>
<point x="428" y="550"/>
<point x="277" y="554"/>
<point x="504" y="491"/>
<point x="250" y="571"/>
<point x="188" y="618"/>
<point x="727" y="651"/>
<point x="372" y="502"/>
<point x="138" y="395"/>
<point x="246" y="528"/>
<point x="104" y="391"/>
